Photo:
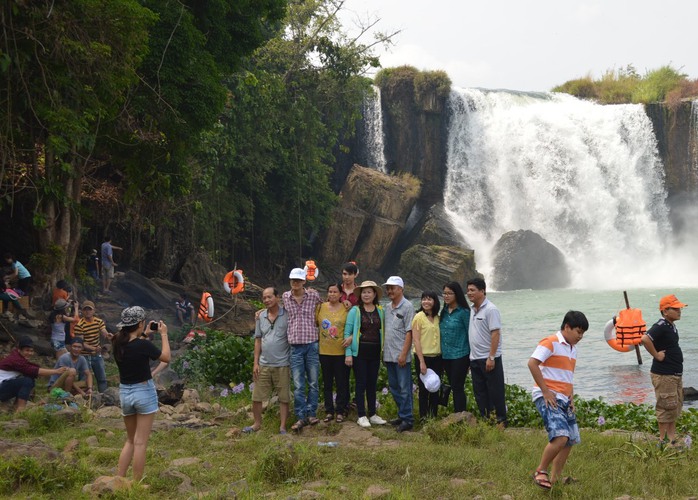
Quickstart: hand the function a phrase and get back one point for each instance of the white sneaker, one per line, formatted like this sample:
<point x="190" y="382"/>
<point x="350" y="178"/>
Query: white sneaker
<point x="363" y="422"/>
<point x="376" y="420"/>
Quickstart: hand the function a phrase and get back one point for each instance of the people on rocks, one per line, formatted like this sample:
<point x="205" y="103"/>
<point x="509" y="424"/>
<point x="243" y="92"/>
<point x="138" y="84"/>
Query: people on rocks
<point x="92" y="329"/>
<point x="108" y="263"/>
<point x="18" y="374"/>
<point x="184" y="309"/>
<point x="77" y="379"/>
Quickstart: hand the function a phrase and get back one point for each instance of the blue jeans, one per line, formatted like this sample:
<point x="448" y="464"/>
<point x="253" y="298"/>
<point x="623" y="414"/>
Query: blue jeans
<point x="560" y="421"/>
<point x="96" y="363"/>
<point x="400" y="385"/>
<point x="18" y="387"/>
<point x="141" y="398"/>
<point x="305" y="367"/>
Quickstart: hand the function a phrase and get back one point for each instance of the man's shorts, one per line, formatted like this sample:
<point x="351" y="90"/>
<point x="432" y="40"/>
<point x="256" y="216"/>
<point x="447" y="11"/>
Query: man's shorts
<point x="560" y="421"/>
<point x="141" y="399"/>
<point x="669" y="392"/>
<point x="270" y="378"/>
<point x="60" y="382"/>
<point x="108" y="272"/>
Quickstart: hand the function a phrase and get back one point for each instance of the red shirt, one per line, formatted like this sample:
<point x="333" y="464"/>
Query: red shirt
<point x="15" y="362"/>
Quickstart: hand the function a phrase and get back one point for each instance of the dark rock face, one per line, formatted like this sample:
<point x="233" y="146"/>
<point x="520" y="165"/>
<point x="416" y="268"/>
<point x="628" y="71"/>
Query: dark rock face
<point x="430" y="267"/>
<point x="371" y="215"/>
<point x="523" y="259"/>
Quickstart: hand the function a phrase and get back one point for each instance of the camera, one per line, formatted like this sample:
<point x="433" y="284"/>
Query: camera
<point x="153" y="326"/>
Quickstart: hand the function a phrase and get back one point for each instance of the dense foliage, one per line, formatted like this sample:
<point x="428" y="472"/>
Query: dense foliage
<point x="626" y="85"/>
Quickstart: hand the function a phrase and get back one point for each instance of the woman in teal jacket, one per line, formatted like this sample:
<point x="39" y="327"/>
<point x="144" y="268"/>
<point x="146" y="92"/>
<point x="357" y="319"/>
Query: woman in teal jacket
<point x="363" y="336"/>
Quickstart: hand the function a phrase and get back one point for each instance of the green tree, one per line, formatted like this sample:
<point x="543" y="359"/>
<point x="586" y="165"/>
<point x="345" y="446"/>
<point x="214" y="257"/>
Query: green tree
<point x="266" y="168"/>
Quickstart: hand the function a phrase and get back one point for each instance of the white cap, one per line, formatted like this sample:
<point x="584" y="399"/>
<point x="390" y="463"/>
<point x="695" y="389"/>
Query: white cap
<point x="431" y="380"/>
<point x="297" y="274"/>
<point x="395" y="280"/>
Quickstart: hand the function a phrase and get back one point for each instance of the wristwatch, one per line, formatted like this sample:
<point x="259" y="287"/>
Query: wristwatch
<point x="491" y="358"/>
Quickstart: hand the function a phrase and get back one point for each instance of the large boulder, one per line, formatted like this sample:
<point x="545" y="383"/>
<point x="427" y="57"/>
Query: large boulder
<point x="524" y="260"/>
<point x="371" y="215"/>
<point x="430" y="267"/>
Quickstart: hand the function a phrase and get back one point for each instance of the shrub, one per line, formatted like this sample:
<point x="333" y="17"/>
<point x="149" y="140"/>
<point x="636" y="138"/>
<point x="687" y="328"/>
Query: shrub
<point x="656" y="84"/>
<point x="218" y="358"/>
<point x="584" y="88"/>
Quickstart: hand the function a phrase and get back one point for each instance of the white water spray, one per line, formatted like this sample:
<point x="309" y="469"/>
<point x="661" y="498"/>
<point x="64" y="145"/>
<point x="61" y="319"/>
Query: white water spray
<point x="586" y="177"/>
<point x="374" y="136"/>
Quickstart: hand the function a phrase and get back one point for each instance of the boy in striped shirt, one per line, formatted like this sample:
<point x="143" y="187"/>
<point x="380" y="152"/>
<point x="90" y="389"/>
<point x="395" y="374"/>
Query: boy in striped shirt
<point x="552" y="366"/>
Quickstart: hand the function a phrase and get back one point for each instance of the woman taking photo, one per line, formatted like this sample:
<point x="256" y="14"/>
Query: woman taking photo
<point x="331" y="318"/>
<point x="455" y="346"/>
<point x="139" y="400"/>
<point x="363" y="336"/>
<point x="427" y="348"/>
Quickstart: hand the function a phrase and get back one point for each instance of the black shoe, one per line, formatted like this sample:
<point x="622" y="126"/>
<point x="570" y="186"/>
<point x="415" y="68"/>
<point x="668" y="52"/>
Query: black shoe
<point x="404" y="426"/>
<point x="396" y="421"/>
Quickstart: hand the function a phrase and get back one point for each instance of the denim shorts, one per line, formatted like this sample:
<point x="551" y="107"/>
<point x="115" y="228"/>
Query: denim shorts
<point x="57" y="345"/>
<point x="560" y="421"/>
<point x="141" y="399"/>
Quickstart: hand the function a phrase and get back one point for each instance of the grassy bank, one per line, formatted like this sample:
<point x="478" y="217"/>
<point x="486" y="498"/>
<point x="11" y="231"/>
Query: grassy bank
<point x="456" y="461"/>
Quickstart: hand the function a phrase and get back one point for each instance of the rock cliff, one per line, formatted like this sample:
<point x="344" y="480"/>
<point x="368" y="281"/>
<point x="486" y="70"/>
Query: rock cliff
<point x="372" y="212"/>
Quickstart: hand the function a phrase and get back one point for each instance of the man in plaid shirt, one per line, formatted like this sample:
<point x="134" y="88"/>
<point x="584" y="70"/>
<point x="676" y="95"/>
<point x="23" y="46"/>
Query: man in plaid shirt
<point x="300" y="304"/>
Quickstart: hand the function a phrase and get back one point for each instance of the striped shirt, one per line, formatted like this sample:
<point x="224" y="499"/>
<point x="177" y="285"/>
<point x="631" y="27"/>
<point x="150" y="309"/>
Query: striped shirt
<point x="301" y="317"/>
<point x="89" y="331"/>
<point x="558" y="359"/>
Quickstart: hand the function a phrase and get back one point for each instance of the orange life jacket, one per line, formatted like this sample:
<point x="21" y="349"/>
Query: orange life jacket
<point x="630" y="327"/>
<point x="206" y="307"/>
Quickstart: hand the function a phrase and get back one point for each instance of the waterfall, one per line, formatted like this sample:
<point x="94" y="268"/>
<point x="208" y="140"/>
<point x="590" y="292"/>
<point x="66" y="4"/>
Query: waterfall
<point x="374" y="136"/>
<point x="586" y="177"/>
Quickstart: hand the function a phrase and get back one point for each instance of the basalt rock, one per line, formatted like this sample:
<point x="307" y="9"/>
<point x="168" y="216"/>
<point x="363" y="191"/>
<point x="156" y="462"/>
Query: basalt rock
<point x="524" y="260"/>
<point x="429" y="267"/>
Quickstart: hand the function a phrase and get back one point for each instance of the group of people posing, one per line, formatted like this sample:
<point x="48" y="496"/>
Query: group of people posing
<point x="300" y="333"/>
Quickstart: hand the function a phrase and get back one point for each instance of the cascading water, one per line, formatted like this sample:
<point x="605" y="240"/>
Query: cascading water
<point x="374" y="137"/>
<point x="586" y="177"/>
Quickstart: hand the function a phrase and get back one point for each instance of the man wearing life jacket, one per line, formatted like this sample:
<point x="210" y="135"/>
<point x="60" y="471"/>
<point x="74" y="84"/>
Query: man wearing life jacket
<point x="349" y="273"/>
<point x="305" y="355"/>
<point x="662" y="342"/>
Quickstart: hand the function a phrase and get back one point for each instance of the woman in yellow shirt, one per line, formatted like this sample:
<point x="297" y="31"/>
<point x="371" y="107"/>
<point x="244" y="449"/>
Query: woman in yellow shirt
<point x="331" y="317"/>
<point x="427" y="348"/>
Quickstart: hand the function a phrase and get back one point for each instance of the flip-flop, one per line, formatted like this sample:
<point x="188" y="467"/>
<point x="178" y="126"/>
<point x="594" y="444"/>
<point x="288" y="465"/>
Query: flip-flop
<point x="283" y="431"/>
<point x="313" y="420"/>
<point x="249" y="430"/>
<point x="340" y="418"/>
<point x="298" y="426"/>
<point x="542" y="483"/>
<point x="328" y="418"/>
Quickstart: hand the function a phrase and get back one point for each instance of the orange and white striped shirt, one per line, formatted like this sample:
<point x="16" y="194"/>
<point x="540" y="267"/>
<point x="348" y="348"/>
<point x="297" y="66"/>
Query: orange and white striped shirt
<point x="558" y="359"/>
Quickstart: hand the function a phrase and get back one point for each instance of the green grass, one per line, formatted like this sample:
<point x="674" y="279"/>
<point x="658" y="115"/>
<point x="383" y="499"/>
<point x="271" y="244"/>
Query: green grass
<point x="485" y="460"/>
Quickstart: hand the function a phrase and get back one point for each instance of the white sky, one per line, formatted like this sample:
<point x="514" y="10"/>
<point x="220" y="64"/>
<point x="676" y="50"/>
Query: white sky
<point x="534" y="45"/>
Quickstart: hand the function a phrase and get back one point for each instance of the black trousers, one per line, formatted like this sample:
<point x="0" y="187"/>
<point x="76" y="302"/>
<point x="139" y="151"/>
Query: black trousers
<point x="428" y="401"/>
<point x="335" y="374"/>
<point x="457" y="371"/>
<point x="488" y="388"/>
<point x="366" y="375"/>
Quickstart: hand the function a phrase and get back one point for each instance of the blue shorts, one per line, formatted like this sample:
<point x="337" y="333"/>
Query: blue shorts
<point x="57" y="345"/>
<point x="141" y="399"/>
<point x="560" y="421"/>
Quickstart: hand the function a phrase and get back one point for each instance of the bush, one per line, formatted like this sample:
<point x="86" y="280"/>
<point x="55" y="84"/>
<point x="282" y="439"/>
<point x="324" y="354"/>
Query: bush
<point x="655" y="86"/>
<point x="218" y="358"/>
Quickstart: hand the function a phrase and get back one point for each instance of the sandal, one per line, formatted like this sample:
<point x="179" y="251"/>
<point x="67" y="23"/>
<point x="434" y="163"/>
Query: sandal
<point x="313" y="420"/>
<point x="542" y="483"/>
<point x="298" y="426"/>
<point x="340" y="418"/>
<point x="328" y="418"/>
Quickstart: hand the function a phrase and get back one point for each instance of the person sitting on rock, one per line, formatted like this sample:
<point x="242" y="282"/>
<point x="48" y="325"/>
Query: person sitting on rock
<point x="184" y="309"/>
<point x="9" y="296"/>
<point x="77" y="379"/>
<point x="18" y="374"/>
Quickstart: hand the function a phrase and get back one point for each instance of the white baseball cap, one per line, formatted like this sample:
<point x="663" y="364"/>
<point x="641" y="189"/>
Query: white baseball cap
<point x="395" y="280"/>
<point x="297" y="274"/>
<point x="431" y="380"/>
